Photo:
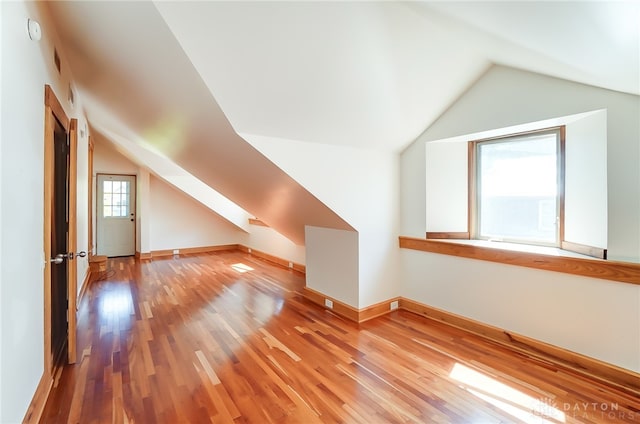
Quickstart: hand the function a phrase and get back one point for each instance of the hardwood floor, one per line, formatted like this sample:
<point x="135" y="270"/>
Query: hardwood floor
<point x="226" y="338"/>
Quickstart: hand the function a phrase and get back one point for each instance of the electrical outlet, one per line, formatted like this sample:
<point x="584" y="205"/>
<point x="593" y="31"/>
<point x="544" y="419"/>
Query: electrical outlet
<point x="176" y="251"/>
<point x="328" y="303"/>
<point x="249" y="250"/>
<point x="393" y="305"/>
<point x="290" y="264"/>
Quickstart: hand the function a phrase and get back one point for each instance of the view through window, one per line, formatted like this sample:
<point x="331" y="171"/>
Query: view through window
<point x="115" y="199"/>
<point x="518" y="188"/>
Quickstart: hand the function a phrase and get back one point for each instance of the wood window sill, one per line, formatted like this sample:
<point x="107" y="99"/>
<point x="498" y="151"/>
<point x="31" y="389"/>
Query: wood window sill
<point x="548" y="259"/>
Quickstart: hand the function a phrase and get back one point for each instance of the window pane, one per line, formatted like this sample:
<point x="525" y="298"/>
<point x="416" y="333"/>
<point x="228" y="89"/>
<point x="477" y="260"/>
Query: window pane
<point x="123" y="205"/>
<point x="115" y="198"/>
<point x="518" y="189"/>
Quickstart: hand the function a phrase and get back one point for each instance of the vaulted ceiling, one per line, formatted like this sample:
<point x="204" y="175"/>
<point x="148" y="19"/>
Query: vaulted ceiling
<point x="196" y="80"/>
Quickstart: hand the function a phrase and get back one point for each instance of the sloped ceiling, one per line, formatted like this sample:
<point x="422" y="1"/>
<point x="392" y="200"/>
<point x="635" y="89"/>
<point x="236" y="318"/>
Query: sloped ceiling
<point x="166" y="170"/>
<point x="125" y="59"/>
<point x="187" y="77"/>
<point x="377" y="74"/>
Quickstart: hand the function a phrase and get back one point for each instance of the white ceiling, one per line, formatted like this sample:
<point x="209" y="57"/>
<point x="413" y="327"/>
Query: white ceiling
<point x="188" y="76"/>
<point x="366" y="74"/>
<point x="377" y="74"/>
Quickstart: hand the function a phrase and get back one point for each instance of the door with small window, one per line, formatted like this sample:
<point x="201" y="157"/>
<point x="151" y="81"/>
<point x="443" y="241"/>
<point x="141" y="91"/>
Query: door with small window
<point x="115" y="215"/>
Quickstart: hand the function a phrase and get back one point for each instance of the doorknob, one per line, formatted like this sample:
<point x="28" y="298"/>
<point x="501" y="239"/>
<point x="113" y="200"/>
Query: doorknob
<point x="81" y="254"/>
<point x="58" y="259"/>
<point x="61" y="256"/>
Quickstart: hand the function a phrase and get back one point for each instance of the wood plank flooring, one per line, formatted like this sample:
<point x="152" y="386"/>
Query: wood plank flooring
<point x="227" y="338"/>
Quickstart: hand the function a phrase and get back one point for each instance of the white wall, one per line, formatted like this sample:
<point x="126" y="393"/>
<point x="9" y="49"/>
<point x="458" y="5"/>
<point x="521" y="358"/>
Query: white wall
<point x="143" y="211"/>
<point x="362" y="187"/>
<point x="332" y="263"/>
<point x="107" y="160"/>
<point x="585" y="211"/>
<point x="1" y="138"/>
<point x="447" y="183"/>
<point x="82" y="206"/>
<point x="539" y="304"/>
<point x="594" y="317"/>
<point x="413" y="182"/>
<point x="266" y="239"/>
<point x="26" y="67"/>
<point x="178" y="221"/>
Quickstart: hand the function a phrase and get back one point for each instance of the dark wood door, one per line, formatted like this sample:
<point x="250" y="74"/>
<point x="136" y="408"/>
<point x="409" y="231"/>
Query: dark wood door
<point x="60" y="246"/>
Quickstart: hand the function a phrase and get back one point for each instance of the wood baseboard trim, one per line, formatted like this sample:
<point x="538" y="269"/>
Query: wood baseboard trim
<point x="300" y="268"/>
<point x="378" y="309"/>
<point x="146" y="256"/>
<point x="84" y="287"/>
<point x="39" y="400"/>
<point x="207" y="249"/>
<point x="273" y="259"/>
<point x="192" y="250"/>
<point x="339" y="308"/>
<point x="348" y="311"/>
<point x="623" y="379"/>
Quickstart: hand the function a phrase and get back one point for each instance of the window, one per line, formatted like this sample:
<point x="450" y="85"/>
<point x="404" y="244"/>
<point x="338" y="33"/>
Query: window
<point x="115" y="202"/>
<point x="542" y="183"/>
<point x="517" y="184"/>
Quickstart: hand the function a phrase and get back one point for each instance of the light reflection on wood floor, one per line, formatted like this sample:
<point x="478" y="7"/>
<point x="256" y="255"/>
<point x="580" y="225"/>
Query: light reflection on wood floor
<point x="226" y="338"/>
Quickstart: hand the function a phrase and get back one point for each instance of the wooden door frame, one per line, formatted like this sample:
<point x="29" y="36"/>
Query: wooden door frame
<point x="90" y="197"/>
<point x="53" y="112"/>
<point x="72" y="280"/>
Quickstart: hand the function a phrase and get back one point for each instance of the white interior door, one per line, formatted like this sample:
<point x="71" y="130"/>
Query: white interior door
<point x="115" y="215"/>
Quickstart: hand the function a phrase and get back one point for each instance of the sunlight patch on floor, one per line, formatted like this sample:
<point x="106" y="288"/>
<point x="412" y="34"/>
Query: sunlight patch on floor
<point x="508" y="399"/>
<point x="117" y="302"/>
<point x="240" y="267"/>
